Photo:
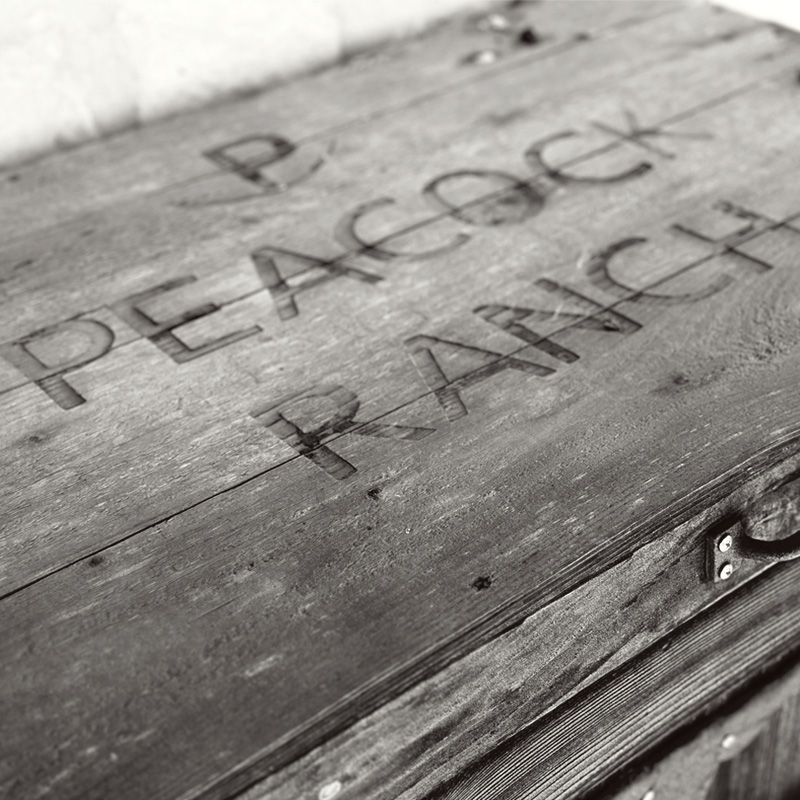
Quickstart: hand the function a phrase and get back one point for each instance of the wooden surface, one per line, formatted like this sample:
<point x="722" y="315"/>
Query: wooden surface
<point x="575" y="747"/>
<point x="748" y="750"/>
<point x="214" y="561"/>
<point x="432" y="733"/>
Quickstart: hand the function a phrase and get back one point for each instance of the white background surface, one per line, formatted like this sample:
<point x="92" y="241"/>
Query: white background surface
<point x="785" y="12"/>
<point x="71" y="70"/>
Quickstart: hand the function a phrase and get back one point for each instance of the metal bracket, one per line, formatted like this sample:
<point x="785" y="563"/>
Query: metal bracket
<point x="723" y="557"/>
<point x="768" y="530"/>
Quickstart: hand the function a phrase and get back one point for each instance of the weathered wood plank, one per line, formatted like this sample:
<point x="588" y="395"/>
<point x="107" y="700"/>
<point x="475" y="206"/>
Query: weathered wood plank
<point x="121" y="249"/>
<point x="755" y="735"/>
<point x="369" y="326"/>
<point x="193" y="557"/>
<point x="205" y="576"/>
<point x="304" y="111"/>
<point x="667" y="688"/>
<point x="436" y="730"/>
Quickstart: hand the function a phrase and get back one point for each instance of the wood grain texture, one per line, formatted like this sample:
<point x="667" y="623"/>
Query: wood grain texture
<point x="668" y="687"/>
<point x="462" y="406"/>
<point x="57" y="188"/>
<point x="767" y="768"/>
<point x="753" y="741"/>
<point x="203" y="228"/>
<point x="434" y="731"/>
<point x="369" y="326"/>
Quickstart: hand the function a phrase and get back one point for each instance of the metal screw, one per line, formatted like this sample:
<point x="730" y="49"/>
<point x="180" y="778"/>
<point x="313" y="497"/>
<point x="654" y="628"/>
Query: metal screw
<point x="729" y="741"/>
<point x="725" y="571"/>
<point x="481" y="57"/>
<point x="649" y="795"/>
<point x="725" y="543"/>
<point x="330" y="790"/>
<point x="497" y="22"/>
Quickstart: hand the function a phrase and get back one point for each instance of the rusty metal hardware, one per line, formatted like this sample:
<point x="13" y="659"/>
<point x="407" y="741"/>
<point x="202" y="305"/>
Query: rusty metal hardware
<point x="766" y="530"/>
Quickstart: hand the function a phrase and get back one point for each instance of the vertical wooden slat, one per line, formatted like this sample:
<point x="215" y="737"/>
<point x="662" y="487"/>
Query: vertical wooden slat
<point x="769" y="767"/>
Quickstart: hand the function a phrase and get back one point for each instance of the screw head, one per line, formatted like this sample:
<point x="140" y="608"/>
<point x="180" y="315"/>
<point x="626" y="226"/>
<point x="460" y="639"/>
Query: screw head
<point x="330" y="790"/>
<point x="725" y="571"/>
<point x="725" y="543"/>
<point x="729" y="741"/>
<point x="497" y="22"/>
<point x="482" y="57"/>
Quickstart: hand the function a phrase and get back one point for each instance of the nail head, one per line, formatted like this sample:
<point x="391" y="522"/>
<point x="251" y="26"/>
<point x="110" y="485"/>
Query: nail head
<point x="497" y="22"/>
<point x="482" y="57"/>
<point x="330" y="790"/>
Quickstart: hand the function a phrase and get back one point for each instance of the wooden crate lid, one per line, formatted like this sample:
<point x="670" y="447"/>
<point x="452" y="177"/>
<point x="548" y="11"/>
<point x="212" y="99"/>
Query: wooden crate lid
<point x="305" y="398"/>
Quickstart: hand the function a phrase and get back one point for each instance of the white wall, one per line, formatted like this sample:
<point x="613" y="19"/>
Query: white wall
<point x="71" y="70"/>
<point x="784" y="12"/>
